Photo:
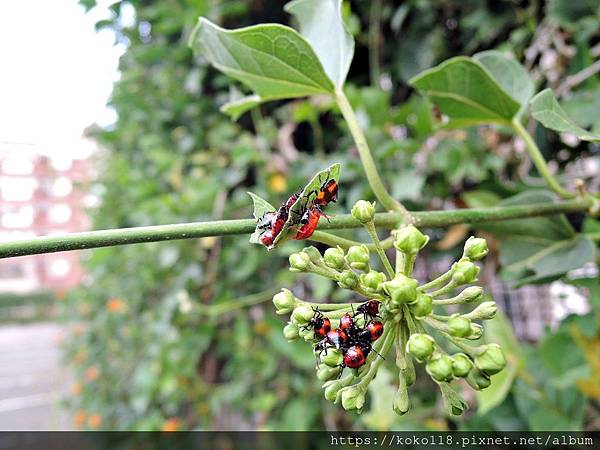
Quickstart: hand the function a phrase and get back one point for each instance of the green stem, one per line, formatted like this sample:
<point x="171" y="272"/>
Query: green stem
<point x="238" y="303"/>
<point x="444" y="290"/>
<point x="366" y="158"/>
<point x="437" y="282"/>
<point x="370" y="226"/>
<point x="332" y="240"/>
<point x="409" y="264"/>
<point x="388" y="339"/>
<point x="156" y="233"/>
<point x="538" y="160"/>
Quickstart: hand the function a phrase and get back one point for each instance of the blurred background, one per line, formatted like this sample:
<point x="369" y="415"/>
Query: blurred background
<point x="107" y="120"/>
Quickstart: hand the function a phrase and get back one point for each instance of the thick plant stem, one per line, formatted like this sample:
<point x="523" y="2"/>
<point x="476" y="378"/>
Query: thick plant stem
<point x="539" y="161"/>
<point x="367" y="159"/>
<point x="156" y="233"/>
<point x="370" y="226"/>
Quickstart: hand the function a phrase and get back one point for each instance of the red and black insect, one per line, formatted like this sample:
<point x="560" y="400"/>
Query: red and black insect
<point x="368" y="309"/>
<point x="355" y="357"/>
<point x="309" y="221"/>
<point x="326" y="194"/>
<point x="372" y="331"/>
<point x="320" y="324"/>
<point x="347" y="322"/>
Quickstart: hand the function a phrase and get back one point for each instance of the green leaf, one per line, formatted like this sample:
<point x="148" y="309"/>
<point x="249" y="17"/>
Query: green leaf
<point x="322" y="25"/>
<point x="273" y="60"/>
<point x="548" y="112"/>
<point x="499" y="330"/>
<point x="466" y="92"/>
<point x="236" y="108"/>
<point x="455" y="404"/>
<point x="510" y="75"/>
<point x="261" y="206"/>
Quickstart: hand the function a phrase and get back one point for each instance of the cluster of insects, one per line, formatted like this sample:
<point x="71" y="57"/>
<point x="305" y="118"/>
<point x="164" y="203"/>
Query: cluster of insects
<point x="355" y="343"/>
<point x="272" y="222"/>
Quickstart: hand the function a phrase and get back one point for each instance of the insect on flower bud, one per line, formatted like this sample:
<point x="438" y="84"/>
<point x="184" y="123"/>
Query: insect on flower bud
<point x="461" y="365"/>
<point x="299" y="262"/>
<point x="475" y="248"/>
<point x="348" y="280"/>
<point x="401" y="289"/>
<point x="420" y="346"/>
<point x="401" y="401"/>
<point x="302" y="315"/>
<point x="333" y="358"/>
<point x="422" y="306"/>
<point x="363" y="211"/>
<point x="439" y="367"/>
<point x="477" y="379"/>
<point x="459" y="326"/>
<point x="410" y="240"/>
<point x="325" y="373"/>
<point x="373" y="280"/>
<point x="491" y="360"/>
<point x="291" y="332"/>
<point x="484" y="311"/>
<point x="313" y="254"/>
<point x="471" y="294"/>
<point x="464" y="272"/>
<point x="353" y="397"/>
<point x="334" y="258"/>
<point x="358" y="257"/>
<point x="284" y="301"/>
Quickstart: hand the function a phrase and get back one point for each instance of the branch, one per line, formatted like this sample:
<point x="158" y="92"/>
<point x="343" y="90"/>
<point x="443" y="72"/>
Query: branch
<point x="390" y="220"/>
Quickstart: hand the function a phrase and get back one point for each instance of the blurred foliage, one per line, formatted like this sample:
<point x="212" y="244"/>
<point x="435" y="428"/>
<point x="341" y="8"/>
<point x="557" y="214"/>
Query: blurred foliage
<point x="144" y="351"/>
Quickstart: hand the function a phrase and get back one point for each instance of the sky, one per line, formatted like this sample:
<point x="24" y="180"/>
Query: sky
<point x="56" y="74"/>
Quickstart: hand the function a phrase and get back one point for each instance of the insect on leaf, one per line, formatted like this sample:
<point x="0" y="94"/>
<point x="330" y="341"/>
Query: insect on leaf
<point x="261" y="206"/>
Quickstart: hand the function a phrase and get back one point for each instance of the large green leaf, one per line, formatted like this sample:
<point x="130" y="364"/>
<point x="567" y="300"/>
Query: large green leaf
<point x="322" y="25"/>
<point x="466" y="92"/>
<point x="538" y="249"/>
<point x="548" y="112"/>
<point x="509" y="74"/>
<point x="273" y="60"/>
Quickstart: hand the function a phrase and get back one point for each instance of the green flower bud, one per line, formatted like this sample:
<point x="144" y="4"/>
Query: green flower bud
<point x="476" y="332"/>
<point x="420" y="346"/>
<point x="475" y="248"/>
<point x="333" y="387"/>
<point x="410" y="240"/>
<point x="363" y="211"/>
<point x="291" y="332"/>
<point x="401" y="402"/>
<point x="299" y="262"/>
<point x="333" y="358"/>
<point x="485" y="311"/>
<point x="422" y="306"/>
<point x="348" y="280"/>
<point x="439" y="367"/>
<point x="313" y="254"/>
<point x="464" y="272"/>
<point x="461" y="365"/>
<point x="353" y="397"/>
<point x="373" y="281"/>
<point x="302" y="315"/>
<point x="471" y="294"/>
<point x="491" y="360"/>
<point x="401" y="289"/>
<point x="307" y="334"/>
<point x="325" y="373"/>
<point x="284" y="302"/>
<point x="477" y="379"/>
<point x="334" y="258"/>
<point x="459" y="326"/>
<point x="358" y="257"/>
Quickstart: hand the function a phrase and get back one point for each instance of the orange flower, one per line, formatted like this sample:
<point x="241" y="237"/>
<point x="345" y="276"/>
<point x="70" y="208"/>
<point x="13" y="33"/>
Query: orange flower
<point x="171" y="424"/>
<point x="94" y="421"/>
<point x="92" y="373"/>
<point x="79" y="418"/>
<point x="76" y="388"/>
<point x="116" y="305"/>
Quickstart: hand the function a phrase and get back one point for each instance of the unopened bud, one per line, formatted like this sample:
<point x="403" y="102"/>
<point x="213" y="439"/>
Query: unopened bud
<point x="459" y="326"/>
<point x="353" y="397"/>
<point x="422" y="306"/>
<point x="284" y="301"/>
<point x="464" y="272"/>
<point x="410" y="240"/>
<point x="302" y="315"/>
<point x="484" y="311"/>
<point x="299" y="262"/>
<point x="363" y="211"/>
<point x="401" y="401"/>
<point x="358" y="257"/>
<point x="475" y="249"/>
<point x="491" y="360"/>
<point x="420" y="346"/>
<point x="471" y="294"/>
<point x="334" y="258"/>
<point x="476" y="332"/>
<point x="461" y="365"/>
<point x="439" y="367"/>
<point x="348" y="280"/>
<point x="373" y="280"/>
<point x="291" y="331"/>
<point x="313" y="254"/>
<point x="325" y="373"/>
<point x="401" y="289"/>
<point x="333" y="358"/>
<point x="477" y="379"/>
